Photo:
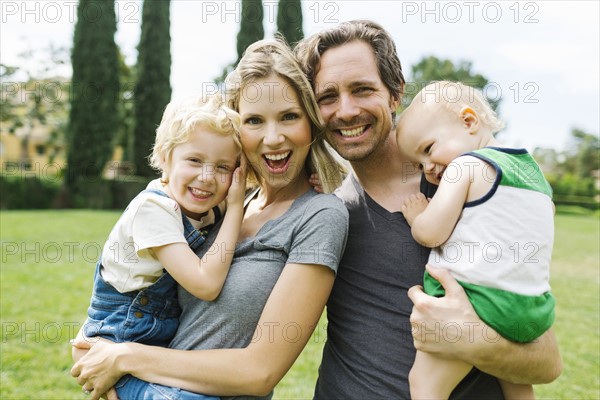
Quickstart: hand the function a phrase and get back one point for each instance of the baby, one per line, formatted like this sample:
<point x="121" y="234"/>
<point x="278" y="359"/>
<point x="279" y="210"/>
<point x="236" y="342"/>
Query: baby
<point x="490" y="224"/>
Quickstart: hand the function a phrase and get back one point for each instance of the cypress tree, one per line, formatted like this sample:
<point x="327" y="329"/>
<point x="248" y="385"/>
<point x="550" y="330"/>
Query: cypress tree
<point x="251" y="26"/>
<point x="251" y="30"/>
<point x="289" y="20"/>
<point x="93" y="119"/>
<point x="153" y="87"/>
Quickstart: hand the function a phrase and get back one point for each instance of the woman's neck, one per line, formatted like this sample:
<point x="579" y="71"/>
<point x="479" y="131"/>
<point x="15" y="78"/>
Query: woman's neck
<point x="269" y="195"/>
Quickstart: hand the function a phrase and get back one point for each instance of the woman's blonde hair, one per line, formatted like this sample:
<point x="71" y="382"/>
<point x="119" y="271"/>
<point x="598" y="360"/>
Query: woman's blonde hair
<point x="181" y="118"/>
<point x="456" y="95"/>
<point x="273" y="57"/>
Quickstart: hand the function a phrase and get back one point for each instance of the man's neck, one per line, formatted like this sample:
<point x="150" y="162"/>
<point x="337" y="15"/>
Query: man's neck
<point x="387" y="177"/>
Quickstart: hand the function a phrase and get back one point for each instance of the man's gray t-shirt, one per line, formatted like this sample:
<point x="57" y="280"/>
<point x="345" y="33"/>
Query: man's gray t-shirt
<point x="369" y="350"/>
<point x="312" y="231"/>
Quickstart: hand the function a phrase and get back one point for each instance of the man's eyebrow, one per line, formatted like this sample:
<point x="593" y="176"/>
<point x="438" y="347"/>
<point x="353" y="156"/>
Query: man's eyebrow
<point x="328" y="88"/>
<point x="333" y="87"/>
<point x="362" y="82"/>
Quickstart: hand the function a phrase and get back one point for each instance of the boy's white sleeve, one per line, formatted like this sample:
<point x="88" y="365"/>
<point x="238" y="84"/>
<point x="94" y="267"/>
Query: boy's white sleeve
<point x="157" y="222"/>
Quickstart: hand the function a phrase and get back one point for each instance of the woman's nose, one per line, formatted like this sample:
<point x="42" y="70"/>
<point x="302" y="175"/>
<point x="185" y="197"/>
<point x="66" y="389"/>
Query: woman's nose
<point x="273" y="135"/>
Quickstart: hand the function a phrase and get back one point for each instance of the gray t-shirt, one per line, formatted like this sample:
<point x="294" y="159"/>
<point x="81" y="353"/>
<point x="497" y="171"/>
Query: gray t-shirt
<point x="369" y="349"/>
<point x="312" y="231"/>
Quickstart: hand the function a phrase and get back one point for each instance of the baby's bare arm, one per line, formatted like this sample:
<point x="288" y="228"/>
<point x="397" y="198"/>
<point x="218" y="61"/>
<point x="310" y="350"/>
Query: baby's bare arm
<point x="414" y="206"/>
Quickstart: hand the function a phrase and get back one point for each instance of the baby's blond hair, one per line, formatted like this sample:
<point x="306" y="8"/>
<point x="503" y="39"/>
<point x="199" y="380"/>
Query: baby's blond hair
<point x="455" y="96"/>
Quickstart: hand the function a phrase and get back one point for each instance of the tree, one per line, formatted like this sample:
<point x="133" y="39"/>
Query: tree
<point x="434" y="69"/>
<point x="251" y="30"/>
<point x="153" y="88"/>
<point x="573" y="172"/>
<point x="93" y="119"/>
<point x="251" y="26"/>
<point x="124" y="136"/>
<point x="289" y="20"/>
<point x="583" y="154"/>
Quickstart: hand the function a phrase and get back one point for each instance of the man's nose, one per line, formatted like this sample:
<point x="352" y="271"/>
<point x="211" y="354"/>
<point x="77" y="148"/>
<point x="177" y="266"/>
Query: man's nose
<point x="347" y="108"/>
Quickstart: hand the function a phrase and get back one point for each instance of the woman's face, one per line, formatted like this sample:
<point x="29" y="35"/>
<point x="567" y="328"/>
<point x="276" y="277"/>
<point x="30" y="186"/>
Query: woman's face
<point x="275" y="131"/>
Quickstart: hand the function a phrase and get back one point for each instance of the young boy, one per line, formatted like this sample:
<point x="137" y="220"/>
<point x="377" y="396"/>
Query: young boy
<point x="490" y="224"/>
<point x="151" y="247"/>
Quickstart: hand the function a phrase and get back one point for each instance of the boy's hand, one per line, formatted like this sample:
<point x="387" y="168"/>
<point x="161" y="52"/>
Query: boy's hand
<point x="315" y="182"/>
<point x="237" y="190"/>
<point x="413" y="206"/>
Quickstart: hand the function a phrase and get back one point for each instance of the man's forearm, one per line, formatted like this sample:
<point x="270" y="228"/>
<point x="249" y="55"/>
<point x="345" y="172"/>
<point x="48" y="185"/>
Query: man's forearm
<point x="533" y="363"/>
<point x="477" y="344"/>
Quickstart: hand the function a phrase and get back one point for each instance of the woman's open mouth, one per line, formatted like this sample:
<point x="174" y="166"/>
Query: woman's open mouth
<point x="277" y="163"/>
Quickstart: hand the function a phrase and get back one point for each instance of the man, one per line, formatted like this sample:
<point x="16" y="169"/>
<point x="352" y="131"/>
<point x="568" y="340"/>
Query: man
<point x="370" y="348"/>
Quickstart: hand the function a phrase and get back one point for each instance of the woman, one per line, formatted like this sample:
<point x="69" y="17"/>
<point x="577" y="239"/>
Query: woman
<point x="290" y="243"/>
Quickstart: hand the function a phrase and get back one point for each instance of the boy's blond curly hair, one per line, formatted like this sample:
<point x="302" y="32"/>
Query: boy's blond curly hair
<point x="181" y="118"/>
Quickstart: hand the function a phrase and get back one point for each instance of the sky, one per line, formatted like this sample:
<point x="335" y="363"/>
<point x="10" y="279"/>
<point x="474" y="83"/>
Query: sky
<point x="541" y="57"/>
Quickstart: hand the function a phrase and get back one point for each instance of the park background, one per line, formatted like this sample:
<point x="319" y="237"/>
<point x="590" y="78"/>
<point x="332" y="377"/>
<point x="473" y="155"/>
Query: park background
<point x="538" y="61"/>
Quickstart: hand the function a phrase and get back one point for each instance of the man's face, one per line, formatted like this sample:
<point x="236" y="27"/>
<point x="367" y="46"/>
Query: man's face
<point x="355" y="104"/>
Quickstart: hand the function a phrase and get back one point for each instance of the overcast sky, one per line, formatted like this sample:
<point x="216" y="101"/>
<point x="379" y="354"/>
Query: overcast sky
<point x="542" y="57"/>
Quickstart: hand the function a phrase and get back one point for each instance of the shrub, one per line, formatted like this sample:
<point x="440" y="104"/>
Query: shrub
<point x="27" y="192"/>
<point x="31" y="192"/>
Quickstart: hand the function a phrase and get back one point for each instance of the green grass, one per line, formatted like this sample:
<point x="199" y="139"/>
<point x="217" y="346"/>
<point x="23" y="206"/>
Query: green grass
<point x="47" y="263"/>
<point x="575" y="283"/>
<point x="46" y="280"/>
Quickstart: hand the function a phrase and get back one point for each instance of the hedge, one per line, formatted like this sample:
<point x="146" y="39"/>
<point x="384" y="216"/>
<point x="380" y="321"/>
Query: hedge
<point x="582" y="201"/>
<point x="30" y="192"/>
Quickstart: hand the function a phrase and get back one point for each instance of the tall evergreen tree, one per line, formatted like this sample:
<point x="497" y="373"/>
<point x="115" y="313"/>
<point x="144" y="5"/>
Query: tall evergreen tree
<point x="251" y="26"/>
<point x="289" y="20"/>
<point x="251" y="30"/>
<point x="93" y="119"/>
<point x="153" y="87"/>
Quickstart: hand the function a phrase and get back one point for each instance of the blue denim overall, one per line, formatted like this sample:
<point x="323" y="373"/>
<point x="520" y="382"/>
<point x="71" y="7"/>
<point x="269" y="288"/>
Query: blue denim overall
<point x="149" y="316"/>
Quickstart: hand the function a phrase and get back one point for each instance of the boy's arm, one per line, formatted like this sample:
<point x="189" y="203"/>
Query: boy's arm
<point x="434" y="225"/>
<point x="204" y="277"/>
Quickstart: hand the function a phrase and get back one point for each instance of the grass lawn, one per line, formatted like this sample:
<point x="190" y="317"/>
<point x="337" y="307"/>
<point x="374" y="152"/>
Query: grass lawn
<point x="47" y="263"/>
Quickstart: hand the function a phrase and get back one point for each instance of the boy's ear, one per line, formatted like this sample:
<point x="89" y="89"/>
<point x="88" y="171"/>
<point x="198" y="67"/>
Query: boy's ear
<point x="470" y="119"/>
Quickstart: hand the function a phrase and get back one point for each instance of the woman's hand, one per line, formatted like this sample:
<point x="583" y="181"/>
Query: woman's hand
<point x="98" y="371"/>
